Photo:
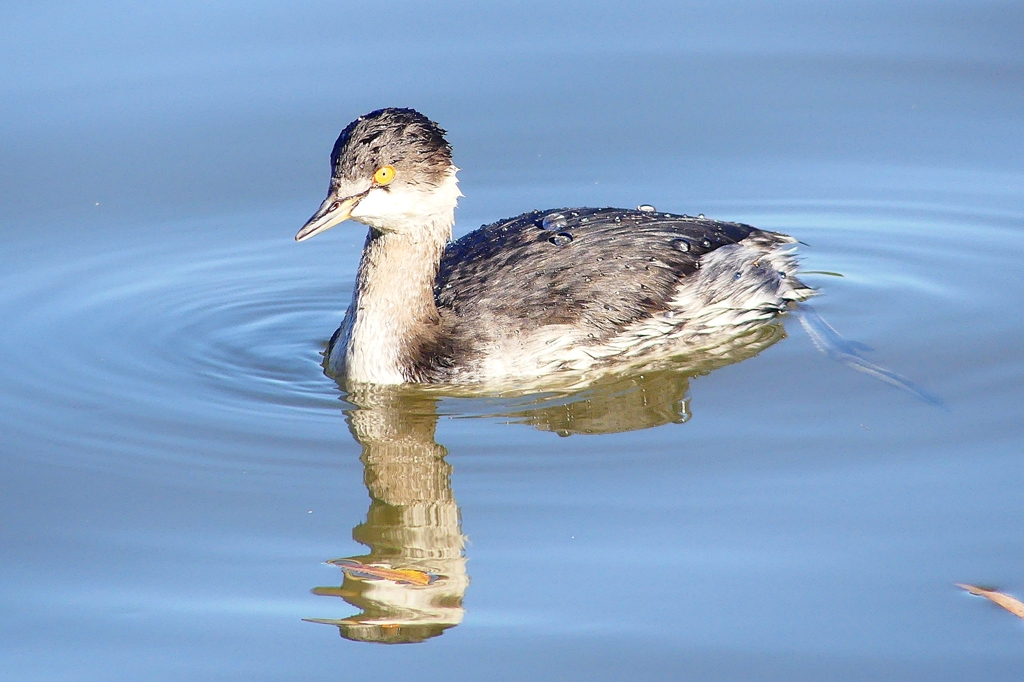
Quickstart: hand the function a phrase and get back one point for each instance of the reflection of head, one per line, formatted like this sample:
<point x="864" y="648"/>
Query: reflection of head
<point x="398" y="605"/>
<point x="410" y="585"/>
<point x="389" y="634"/>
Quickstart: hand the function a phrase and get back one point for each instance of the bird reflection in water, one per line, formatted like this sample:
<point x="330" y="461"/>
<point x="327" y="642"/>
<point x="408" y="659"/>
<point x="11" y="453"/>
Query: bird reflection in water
<point x="411" y="584"/>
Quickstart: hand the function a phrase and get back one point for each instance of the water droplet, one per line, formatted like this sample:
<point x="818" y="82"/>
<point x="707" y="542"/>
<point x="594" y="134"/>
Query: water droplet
<point x="706" y="243"/>
<point x="701" y="216"/>
<point x="587" y="280"/>
<point x="561" y="239"/>
<point x="600" y="260"/>
<point x="737" y="275"/>
<point x="591" y="336"/>
<point x="618" y="219"/>
<point x="782" y="275"/>
<point x="584" y="220"/>
<point x="646" y="208"/>
<point x="554" y="221"/>
<point x="668" y="215"/>
<point x="681" y="245"/>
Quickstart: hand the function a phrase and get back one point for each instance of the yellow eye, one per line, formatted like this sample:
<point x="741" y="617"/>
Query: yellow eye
<point x="384" y="175"/>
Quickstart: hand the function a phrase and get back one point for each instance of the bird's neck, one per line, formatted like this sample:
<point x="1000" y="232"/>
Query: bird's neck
<point x="393" y="308"/>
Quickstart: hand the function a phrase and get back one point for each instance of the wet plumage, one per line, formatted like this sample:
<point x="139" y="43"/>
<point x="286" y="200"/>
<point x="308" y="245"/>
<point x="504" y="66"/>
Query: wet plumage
<point x="602" y="268"/>
<point x="544" y="292"/>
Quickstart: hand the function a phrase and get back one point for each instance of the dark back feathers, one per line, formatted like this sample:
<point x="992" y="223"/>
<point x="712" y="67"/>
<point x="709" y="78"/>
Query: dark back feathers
<point x="597" y="268"/>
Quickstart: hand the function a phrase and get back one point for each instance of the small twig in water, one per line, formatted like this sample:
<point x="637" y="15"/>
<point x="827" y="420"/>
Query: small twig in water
<point x="1014" y="606"/>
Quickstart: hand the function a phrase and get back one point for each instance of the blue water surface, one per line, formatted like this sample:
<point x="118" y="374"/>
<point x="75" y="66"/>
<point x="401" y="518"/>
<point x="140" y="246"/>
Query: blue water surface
<point x="176" y="470"/>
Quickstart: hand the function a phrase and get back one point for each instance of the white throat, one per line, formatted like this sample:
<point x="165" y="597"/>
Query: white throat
<point x="393" y="306"/>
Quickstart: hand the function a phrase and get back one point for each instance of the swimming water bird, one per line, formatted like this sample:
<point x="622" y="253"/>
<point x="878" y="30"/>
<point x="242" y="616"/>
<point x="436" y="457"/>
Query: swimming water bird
<point x="572" y="290"/>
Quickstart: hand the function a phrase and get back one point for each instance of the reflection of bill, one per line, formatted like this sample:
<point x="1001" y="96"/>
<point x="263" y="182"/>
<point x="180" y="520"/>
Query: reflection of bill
<point x="410" y="585"/>
<point x="403" y="576"/>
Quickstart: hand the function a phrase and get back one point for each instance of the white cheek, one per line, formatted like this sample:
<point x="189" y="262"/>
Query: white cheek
<point x="393" y="210"/>
<point x="403" y="206"/>
<point x="377" y="203"/>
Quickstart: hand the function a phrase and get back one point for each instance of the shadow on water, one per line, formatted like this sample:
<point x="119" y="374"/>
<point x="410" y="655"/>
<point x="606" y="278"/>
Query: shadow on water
<point x="410" y="586"/>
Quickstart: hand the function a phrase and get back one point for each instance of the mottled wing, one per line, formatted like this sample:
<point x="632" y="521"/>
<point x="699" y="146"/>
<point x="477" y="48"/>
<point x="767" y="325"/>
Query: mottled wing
<point x="598" y="269"/>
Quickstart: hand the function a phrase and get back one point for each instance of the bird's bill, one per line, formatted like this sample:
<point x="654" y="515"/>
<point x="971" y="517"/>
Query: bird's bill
<point x="330" y="213"/>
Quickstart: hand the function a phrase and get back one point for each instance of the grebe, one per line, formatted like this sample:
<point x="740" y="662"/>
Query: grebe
<point x="547" y="291"/>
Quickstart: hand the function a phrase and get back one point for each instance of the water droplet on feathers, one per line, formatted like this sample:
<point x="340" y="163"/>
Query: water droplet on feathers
<point x="681" y="245"/>
<point x="561" y="239"/>
<point x="646" y="208"/>
<point x="554" y="221"/>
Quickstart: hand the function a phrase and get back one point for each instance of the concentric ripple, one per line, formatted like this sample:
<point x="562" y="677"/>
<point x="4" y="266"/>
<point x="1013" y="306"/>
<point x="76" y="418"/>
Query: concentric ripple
<point x="168" y="341"/>
<point x="186" y="345"/>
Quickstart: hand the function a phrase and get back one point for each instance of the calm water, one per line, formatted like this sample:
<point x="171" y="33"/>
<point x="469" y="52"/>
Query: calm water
<point x="184" y="495"/>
